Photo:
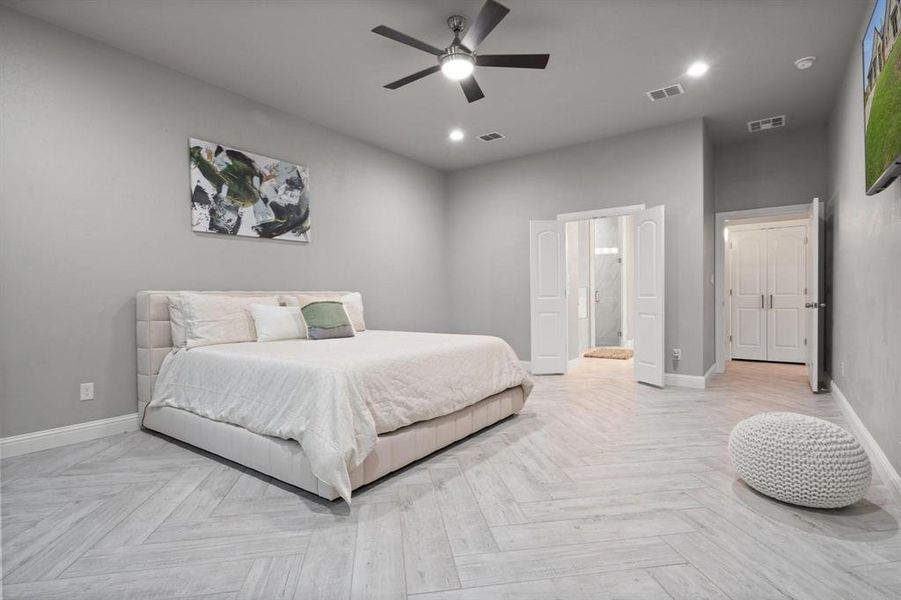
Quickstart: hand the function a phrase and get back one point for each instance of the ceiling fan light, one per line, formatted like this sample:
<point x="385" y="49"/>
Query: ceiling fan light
<point x="457" y="67"/>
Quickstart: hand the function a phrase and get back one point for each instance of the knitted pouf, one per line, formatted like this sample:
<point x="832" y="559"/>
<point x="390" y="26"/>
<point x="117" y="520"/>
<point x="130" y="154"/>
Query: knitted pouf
<point x="799" y="459"/>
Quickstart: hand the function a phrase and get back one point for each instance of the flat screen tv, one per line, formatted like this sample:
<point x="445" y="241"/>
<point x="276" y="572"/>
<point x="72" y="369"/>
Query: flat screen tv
<point x="882" y="95"/>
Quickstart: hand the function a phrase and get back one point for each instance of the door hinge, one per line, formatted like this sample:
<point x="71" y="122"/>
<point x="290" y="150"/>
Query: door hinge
<point x="805" y="291"/>
<point x="730" y="291"/>
<point x="805" y="341"/>
<point x="805" y="239"/>
<point x="730" y="337"/>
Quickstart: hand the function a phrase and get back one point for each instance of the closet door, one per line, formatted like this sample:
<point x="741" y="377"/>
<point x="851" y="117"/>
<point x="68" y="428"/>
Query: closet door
<point x="749" y="289"/>
<point x="786" y="291"/>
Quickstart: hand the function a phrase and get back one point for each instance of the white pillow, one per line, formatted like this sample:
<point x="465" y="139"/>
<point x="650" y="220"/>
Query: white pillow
<point x="277" y="322"/>
<point x="219" y="319"/>
<point x="176" y="321"/>
<point x="353" y="304"/>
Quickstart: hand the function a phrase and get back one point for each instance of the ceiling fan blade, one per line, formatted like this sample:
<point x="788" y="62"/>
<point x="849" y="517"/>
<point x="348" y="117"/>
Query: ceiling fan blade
<point x="516" y="61"/>
<point x="414" y="77"/>
<point x="488" y="18"/>
<point x="403" y="38"/>
<point x="471" y="89"/>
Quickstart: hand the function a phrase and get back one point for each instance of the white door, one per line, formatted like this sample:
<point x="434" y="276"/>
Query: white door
<point x="650" y="284"/>
<point x="748" y="252"/>
<point x="786" y="315"/>
<point x="815" y="303"/>
<point x="547" y="259"/>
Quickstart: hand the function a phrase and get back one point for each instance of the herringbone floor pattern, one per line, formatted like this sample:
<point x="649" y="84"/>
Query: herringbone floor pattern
<point x="601" y="489"/>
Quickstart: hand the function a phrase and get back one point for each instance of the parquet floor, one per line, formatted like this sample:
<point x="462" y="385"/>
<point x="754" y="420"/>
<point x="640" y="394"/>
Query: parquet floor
<point x="600" y="489"/>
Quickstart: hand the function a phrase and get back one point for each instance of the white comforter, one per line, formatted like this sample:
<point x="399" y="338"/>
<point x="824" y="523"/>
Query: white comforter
<point x="335" y="396"/>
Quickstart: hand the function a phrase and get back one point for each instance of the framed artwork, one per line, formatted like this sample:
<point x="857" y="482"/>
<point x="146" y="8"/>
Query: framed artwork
<point x="234" y="192"/>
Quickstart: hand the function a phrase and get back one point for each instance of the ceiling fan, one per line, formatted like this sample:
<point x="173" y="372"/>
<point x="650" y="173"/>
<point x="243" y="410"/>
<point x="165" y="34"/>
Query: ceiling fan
<point x="458" y="60"/>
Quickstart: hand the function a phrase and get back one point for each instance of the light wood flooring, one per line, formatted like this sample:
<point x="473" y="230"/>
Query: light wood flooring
<point x="600" y="489"/>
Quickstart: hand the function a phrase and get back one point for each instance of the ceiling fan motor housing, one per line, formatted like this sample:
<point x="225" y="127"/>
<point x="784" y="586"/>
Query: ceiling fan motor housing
<point x="456" y="51"/>
<point x="457" y="24"/>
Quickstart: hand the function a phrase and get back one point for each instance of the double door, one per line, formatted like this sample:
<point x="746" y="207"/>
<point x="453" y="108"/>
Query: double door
<point x="768" y="292"/>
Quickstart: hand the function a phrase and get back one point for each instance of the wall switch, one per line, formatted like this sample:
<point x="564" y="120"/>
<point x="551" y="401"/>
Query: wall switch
<point x="86" y="391"/>
<point x="842" y="367"/>
<point x="677" y="354"/>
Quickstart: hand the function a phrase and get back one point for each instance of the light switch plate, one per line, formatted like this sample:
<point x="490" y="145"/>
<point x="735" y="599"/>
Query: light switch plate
<point x="86" y="391"/>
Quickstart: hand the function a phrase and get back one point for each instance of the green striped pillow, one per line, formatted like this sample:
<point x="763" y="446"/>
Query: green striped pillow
<point x="325" y="319"/>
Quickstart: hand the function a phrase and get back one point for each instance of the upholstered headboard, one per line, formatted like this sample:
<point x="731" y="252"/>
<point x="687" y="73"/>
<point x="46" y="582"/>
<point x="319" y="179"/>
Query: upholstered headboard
<point x="154" y="333"/>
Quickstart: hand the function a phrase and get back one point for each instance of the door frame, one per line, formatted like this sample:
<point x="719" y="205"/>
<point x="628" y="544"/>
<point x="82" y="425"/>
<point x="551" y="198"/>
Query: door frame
<point x="588" y="215"/>
<point x="723" y="219"/>
<point x="599" y="213"/>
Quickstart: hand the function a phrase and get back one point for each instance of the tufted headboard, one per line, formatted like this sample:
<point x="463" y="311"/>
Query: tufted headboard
<point x="154" y="334"/>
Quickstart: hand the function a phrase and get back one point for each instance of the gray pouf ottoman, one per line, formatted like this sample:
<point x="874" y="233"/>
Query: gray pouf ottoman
<point x="799" y="459"/>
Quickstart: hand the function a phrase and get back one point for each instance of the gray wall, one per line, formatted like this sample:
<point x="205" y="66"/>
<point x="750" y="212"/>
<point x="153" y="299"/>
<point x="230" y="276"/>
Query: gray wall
<point x="709" y="240"/>
<point x="773" y="168"/>
<point x="489" y="209"/>
<point x="95" y="207"/>
<point x="865" y="256"/>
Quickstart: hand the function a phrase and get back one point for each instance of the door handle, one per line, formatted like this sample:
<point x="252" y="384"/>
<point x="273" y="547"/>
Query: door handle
<point x="597" y="296"/>
<point x="814" y="305"/>
<point x="771" y="301"/>
<point x="762" y="305"/>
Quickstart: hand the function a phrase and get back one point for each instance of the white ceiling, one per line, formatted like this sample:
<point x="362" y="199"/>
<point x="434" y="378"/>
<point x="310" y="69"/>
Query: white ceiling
<point x="318" y="60"/>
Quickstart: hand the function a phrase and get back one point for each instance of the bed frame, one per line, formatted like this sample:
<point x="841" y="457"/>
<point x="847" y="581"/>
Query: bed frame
<point x="284" y="459"/>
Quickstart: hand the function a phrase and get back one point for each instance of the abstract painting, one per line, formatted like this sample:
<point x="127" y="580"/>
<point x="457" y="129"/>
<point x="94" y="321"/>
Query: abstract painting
<point x="241" y="193"/>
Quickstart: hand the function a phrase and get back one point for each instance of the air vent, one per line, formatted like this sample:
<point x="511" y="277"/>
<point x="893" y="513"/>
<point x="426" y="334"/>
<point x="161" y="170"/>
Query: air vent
<point x="667" y="92"/>
<point x="770" y="123"/>
<point x="490" y="137"/>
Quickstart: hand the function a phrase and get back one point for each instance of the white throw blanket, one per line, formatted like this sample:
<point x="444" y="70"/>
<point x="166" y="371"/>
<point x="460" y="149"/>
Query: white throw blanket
<point x="335" y="396"/>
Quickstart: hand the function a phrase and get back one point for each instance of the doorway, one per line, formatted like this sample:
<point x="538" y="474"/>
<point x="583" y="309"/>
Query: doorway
<point x="600" y="288"/>
<point x="769" y="285"/>
<point x="598" y="276"/>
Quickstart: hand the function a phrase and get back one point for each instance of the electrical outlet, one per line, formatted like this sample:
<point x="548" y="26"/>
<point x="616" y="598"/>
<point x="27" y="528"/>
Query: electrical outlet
<point x="677" y="353"/>
<point x="86" y="391"/>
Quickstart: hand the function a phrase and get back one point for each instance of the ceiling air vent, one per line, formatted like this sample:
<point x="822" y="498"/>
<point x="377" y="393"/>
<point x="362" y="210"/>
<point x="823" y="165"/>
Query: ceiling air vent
<point x="490" y="137"/>
<point x="770" y="123"/>
<point x="667" y="92"/>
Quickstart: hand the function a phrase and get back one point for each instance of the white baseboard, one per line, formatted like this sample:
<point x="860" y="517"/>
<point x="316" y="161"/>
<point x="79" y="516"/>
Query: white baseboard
<point x="881" y="463"/>
<point x="527" y="365"/>
<point x="697" y="382"/>
<point x="70" y="434"/>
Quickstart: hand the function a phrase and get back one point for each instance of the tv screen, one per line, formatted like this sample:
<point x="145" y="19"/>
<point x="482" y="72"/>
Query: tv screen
<point x="882" y="95"/>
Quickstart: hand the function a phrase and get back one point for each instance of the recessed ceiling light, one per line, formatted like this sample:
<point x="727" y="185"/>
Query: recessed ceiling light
<point x="805" y="63"/>
<point x="697" y="69"/>
<point x="455" y="135"/>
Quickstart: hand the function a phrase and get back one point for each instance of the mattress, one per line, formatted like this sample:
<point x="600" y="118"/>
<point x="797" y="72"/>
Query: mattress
<point x="335" y="397"/>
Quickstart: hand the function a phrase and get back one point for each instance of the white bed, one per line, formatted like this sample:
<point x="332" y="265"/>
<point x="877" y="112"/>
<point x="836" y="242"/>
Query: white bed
<point x="324" y="415"/>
